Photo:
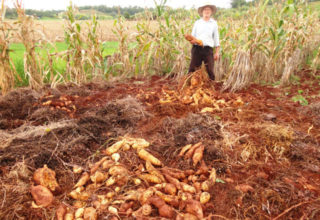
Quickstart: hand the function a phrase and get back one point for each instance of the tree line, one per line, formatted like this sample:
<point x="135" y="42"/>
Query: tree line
<point x="241" y="3"/>
<point x="127" y="12"/>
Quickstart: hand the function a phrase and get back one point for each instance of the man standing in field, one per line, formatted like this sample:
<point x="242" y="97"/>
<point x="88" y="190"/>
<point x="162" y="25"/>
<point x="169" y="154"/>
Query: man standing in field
<point x="206" y="30"/>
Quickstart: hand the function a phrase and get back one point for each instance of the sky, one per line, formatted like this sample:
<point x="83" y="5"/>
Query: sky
<point x="62" y="4"/>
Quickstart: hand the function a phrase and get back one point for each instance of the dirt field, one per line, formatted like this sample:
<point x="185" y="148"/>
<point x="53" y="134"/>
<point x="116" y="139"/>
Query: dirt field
<point x="263" y="147"/>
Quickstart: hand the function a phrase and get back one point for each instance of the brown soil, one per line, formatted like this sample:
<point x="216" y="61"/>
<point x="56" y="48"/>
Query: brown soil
<point x="257" y="137"/>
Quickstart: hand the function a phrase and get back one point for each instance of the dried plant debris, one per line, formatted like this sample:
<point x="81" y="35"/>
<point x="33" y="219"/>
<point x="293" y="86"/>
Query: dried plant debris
<point x="161" y="150"/>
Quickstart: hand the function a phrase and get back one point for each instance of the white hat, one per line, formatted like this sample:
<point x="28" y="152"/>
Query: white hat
<point x="207" y="4"/>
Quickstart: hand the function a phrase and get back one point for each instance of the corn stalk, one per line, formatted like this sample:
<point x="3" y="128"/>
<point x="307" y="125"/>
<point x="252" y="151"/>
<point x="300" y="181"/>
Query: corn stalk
<point x="94" y="52"/>
<point x="27" y="35"/>
<point x="7" y="70"/>
<point x="75" y="70"/>
<point x="156" y="47"/>
<point x="277" y="40"/>
<point x="84" y="54"/>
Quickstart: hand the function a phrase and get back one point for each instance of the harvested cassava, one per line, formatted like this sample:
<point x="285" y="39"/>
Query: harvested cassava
<point x="46" y="177"/>
<point x="77" y="169"/>
<point x="42" y="195"/>
<point x="137" y="181"/>
<point x="138" y="143"/>
<point x="82" y="196"/>
<point x="152" y="170"/>
<point x="144" y="210"/>
<point x="190" y="38"/>
<point x="205" y="186"/>
<point x="115" y="157"/>
<point x="204" y="197"/>
<point x="114" y="148"/>
<point x="213" y="176"/>
<point x="83" y="180"/>
<point x="118" y="170"/>
<point x="150" y="178"/>
<point x="173" y="181"/>
<point x="163" y="209"/>
<point x="187" y="188"/>
<point x="61" y="212"/>
<point x="184" y="150"/>
<point x="170" y="199"/>
<point x="167" y="188"/>
<point x="198" y="154"/>
<point x="145" y="155"/>
<point x="203" y="169"/>
<point x="107" y="164"/>
<point x="79" y="212"/>
<point x="96" y="166"/>
<point x="69" y="215"/>
<point x="113" y="210"/>
<point x="98" y="177"/>
<point x="112" y="180"/>
<point x="194" y="207"/>
<point x="188" y="216"/>
<point x="178" y="174"/>
<point x="90" y="213"/>
<point x="143" y="198"/>
<point x="191" y="151"/>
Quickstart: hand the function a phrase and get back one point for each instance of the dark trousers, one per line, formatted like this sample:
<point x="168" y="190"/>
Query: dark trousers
<point x="199" y="54"/>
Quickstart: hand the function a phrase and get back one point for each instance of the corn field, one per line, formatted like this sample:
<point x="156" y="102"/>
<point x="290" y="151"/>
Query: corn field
<point x="264" y="44"/>
<point x="6" y="72"/>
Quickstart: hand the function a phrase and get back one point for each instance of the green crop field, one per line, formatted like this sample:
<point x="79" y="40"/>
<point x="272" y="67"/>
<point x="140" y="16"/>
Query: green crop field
<point x="18" y="50"/>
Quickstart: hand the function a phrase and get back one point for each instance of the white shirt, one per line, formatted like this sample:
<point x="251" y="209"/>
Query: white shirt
<point x="207" y="31"/>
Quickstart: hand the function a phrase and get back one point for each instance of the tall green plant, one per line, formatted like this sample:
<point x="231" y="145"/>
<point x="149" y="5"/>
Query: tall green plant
<point x="75" y="71"/>
<point x="84" y="54"/>
<point x="95" y="50"/>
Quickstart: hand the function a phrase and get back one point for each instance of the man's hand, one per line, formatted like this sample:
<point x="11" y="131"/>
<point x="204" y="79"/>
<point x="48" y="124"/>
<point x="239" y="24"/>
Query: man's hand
<point x="216" y="56"/>
<point x="194" y="41"/>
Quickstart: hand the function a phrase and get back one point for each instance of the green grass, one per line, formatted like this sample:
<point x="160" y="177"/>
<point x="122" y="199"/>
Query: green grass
<point x="17" y="57"/>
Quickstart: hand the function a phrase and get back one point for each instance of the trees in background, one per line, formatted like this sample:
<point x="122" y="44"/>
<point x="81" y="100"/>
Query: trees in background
<point x="238" y="3"/>
<point x="85" y="12"/>
<point x="111" y="12"/>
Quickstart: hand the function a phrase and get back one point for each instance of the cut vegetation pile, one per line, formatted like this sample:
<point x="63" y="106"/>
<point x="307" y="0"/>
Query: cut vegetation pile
<point x="153" y="148"/>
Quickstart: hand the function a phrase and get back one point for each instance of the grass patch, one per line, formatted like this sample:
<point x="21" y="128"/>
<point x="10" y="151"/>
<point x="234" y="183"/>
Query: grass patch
<point x="18" y="50"/>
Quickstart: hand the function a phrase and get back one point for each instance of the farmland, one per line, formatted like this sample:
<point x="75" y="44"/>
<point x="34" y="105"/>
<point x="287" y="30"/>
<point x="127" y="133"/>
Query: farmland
<point x="105" y="124"/>
<point x="54" y="29"/>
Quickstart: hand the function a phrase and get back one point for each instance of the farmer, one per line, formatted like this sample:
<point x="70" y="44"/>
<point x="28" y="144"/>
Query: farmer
<point x="205" y="29"/>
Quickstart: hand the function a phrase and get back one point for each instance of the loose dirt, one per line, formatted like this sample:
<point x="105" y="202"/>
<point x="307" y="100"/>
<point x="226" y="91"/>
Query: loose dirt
<point x="263" y="145"/>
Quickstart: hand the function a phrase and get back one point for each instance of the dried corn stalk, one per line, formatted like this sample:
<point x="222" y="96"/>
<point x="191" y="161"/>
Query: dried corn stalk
<point x="241" y="74"/>
<point x="6" y="71"/>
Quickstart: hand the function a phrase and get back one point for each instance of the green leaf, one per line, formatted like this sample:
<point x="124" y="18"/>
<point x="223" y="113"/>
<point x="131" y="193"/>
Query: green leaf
<point x="145" y="48"/>
<point x="290" y="2"/>
<point x="281" y="22"/>
<point x="217" y="117"/>
<point x="300" y="99"/>
<point x="78" y="27"/>
<point x="273" y="36"/>
<point x="220" y="181"/>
